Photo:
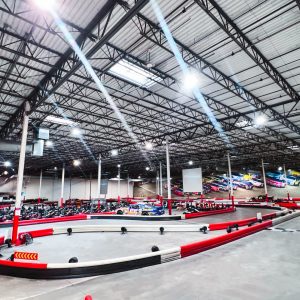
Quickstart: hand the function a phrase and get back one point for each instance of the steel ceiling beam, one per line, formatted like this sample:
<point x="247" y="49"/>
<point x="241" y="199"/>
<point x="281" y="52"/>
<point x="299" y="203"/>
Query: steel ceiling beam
<point x="115" y="54"/>
<point x="154" y="33"/>
<point x="237" y="35"/>
<point x="70" y="61"/>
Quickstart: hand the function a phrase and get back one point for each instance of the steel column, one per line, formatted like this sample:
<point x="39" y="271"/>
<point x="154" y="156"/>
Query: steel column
<point x="17" y="211"/>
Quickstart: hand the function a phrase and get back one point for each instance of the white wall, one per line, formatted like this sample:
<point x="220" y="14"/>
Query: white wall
<point x="80" y="188"/>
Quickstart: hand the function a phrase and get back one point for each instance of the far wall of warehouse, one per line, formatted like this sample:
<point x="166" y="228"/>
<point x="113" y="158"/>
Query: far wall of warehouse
<point x="80" y="188"/>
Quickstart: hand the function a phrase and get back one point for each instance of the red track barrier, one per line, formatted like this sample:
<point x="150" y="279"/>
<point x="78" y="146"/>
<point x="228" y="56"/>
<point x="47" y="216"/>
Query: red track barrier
<point x="194" y="248"/>
<point x="28" y="265"/>
<point x="219" y="226"/>
<point x="50" y="220"/>
<point x="289" y="205"/>
<point x="2" y="239"/>
<point x="209" y="213"/>
<point x="39" y="233"/>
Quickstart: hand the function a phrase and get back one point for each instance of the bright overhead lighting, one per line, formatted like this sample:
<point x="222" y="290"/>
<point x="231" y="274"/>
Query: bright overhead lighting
<point x="5" y="172"/>
<point x="76" y="162"/>
<point x="114" y="152"/>
<point x="279" y="168"/>
<point x="61" y="121"/>
<point x="7" y="164"/>
<point x="149" y="146"/>
<point x="139" y="177"/>
<point x="147" y="168"/>
<point x="55" y="168"/>
<point x="191" y="162"/>
<point x="76" y="132"/>
<point x="133" y="73"/>
<point x="45" y="4"/>
<point x="49" y="143"/>
<point x="119" y="166"/>
<point x="191" y="81"/>
<point x="260" y="120"/>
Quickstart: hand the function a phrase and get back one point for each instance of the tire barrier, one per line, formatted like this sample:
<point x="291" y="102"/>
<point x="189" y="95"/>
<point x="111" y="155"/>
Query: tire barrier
<point x="157" y="256"/>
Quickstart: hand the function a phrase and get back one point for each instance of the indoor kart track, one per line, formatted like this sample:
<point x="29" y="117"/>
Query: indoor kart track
<point x="241" y="262"/>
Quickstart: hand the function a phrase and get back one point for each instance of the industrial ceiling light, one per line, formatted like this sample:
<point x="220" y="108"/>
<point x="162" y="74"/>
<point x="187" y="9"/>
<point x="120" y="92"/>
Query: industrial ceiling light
<point x="279" y="168"/>
<point x="133" y="73"/>
<point x="5" y="172"/>
<point x="139" y="177"/>
<point x="60" y="121"/>
<point x="191" y="80"/>
<point x="191" y="162"/>
<point x="76" y="132"/>
<point x="260" y="120"/>
<point x="76" y="162"/>
<point x="7" y="164"/>
<point x="49" y="144"/>
<point x="45" y="4"/>
<point x="114" y="152"/>
<point x="149" y="146"/>
<point x="119" y="166"/>
<point x="55" y="168"/>
<point x="147" y="168"/>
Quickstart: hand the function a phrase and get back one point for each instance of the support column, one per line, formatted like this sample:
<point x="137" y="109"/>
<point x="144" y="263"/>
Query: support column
<point x="90" y="198"/>
<point x="168" y="176"/>
<point x="119" y="181"/>
<point x="17" y="211"/>
<point x="99" y="178"/>
<point x="284" y="172"/>
<point x="62" y="186"/>
<point x="230" y="178"/>
<point x="157" y="184"/>
<point x="160" y="179"/>
<point x="70" y="190"/>
<point x="40" y="187"/>
<point x="128" y="188"/>
<point x="99" y="182"/>
<point x="264" y="178"/>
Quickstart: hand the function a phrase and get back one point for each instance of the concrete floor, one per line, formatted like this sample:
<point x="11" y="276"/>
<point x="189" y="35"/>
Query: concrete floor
<point x="262" y="266"/>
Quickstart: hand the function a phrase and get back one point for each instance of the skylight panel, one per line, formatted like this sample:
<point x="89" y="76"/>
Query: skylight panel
<point x="61" y="121"/>
<point x="134" y="74"/>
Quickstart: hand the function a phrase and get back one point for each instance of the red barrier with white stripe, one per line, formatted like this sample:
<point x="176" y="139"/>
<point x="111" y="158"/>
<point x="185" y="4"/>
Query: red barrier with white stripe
<point x="194" y="248"/>
<point x="209" y="213"/>
<point x="67" y="270"/>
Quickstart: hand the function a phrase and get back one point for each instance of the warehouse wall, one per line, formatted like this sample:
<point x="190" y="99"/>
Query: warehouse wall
<point x="80" y="188"/>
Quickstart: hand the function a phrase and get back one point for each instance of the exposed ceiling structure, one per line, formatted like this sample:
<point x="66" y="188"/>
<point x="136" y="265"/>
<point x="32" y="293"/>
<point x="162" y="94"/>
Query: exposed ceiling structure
<point x="246" y="55"/>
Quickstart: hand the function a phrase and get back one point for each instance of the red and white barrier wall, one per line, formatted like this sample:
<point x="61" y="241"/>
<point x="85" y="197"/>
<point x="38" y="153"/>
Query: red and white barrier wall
<point x="91" y="268"/>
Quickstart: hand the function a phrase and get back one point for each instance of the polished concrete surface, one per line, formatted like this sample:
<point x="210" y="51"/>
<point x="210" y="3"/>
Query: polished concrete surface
<point x="262" y="266"/>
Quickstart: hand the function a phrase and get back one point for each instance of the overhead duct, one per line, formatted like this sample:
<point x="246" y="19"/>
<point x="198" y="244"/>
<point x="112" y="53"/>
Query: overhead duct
<point x="6" y="146"/>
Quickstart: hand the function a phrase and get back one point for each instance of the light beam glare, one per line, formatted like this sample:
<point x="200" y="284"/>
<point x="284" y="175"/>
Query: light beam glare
<point x="94" y="76"/>
<point x="186" y="71"/>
